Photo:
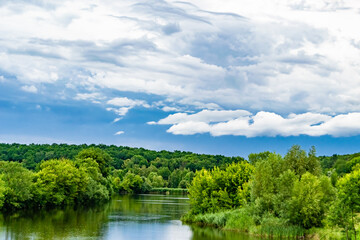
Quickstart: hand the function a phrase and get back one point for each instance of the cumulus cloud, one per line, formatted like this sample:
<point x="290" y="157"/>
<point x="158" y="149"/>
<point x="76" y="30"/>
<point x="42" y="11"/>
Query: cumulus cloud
<point x="119" y="132"/>
<point x="30" y="89"/>
<point x="206" y="116"/>
<point x="242" y="123"/>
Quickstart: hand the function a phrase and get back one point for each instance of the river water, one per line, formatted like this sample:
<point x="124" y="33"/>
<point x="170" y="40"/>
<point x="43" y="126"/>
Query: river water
<point x="139" y="217"/>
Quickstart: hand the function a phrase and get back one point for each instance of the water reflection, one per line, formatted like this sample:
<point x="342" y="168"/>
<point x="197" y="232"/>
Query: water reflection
<point x="207" y="233"/>
<point x="125" y="217"/>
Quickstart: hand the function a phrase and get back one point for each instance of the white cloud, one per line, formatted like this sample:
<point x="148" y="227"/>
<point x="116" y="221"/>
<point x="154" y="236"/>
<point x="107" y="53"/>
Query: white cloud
<point x="220" y="123"/>
<point x="126" y="102"/>
<point x="119" y="111"/>
<point x="95" y="96"/>
<point x="117" y="119"/>
<point x="206" y="116"/>
<point x="119" y="132"/>
<point x="30" y="89"/>
<point x="170" y="109"/>
<point x="271" y="56"/>
<point x="123" y="105"/>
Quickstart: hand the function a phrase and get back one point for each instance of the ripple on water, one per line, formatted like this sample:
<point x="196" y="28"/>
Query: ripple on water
<point x="137" y="218"/>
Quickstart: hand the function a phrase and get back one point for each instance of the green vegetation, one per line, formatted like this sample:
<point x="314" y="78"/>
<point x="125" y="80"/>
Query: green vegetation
<point x="283" y="196"/>
<point x="215" y="190"/>
<point x="277" y="196"/>
<point x="33" y="176"/>
<point x="169" y="190"/>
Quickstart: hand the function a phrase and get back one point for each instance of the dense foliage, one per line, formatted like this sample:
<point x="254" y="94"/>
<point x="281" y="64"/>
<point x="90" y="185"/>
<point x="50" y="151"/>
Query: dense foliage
<point x="59" y="174"/>
<point x="31" y="155"/>
<point x="218" y="189"/>
<point x="294" y="192"/>
<point x="287" y="194"/>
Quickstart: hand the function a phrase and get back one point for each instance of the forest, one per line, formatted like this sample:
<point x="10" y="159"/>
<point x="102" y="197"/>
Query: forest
<point x="60" y="174"/>
<point x="298" y="194"/>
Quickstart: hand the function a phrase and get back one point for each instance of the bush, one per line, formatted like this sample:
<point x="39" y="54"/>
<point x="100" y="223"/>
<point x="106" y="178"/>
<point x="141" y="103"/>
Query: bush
<point x="215" y="190"/>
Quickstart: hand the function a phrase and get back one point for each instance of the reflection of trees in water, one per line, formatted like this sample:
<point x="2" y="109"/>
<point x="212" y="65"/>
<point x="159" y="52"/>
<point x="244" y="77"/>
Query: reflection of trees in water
<point x="171" y="207"/>
<point x="208" y="233"/>
<point x="89" y="222"/>
<point x="56" y="223"/>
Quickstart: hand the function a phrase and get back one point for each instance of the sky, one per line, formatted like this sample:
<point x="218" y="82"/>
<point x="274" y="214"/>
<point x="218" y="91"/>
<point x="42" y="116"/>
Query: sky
<point x="221" y="77"/>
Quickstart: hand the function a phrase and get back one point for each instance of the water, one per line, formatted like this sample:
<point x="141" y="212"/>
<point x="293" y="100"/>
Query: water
<point x="139" y="217"/>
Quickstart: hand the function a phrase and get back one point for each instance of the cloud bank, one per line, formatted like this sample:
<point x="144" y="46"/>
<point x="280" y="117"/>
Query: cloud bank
<point x="243" y="123"/>
<point x="273" y="58"/>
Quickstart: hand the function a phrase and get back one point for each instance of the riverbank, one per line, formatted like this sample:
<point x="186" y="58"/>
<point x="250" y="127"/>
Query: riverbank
<point x="182" y="191"/>
<point x="241" y="220"/>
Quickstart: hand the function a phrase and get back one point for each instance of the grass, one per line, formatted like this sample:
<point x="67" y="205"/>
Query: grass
<point x="326" y="233"/>
<point x="269" y="226"/>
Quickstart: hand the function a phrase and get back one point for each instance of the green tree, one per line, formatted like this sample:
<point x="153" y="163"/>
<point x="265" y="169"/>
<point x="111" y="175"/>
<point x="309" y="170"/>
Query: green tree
<point x="349" y="199"/>
<point x="59" y="182"/>
<point x="18" y="184"/>
<point x="2" y="192"/>
<point x="311" y="198"/>
<point x="96" y="184"/>
<point x="175" y="178"/>
<point x="297" y="160"/>
<point x="132" y="183"/>
<point x="211" y="191"/>
<point x="102" y="158"/>
<point x="264" y="185"/>
<point x="186" y="181"/>
<point x="256" y="157"/>
<point x="164" y="172"/>
<point x="156" y="181"/>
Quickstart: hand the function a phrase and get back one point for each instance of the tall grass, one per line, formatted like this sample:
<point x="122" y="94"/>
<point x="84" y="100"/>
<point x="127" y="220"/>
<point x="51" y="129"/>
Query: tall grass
<point x="277" y="227"/>
<point x="242" y="220"/>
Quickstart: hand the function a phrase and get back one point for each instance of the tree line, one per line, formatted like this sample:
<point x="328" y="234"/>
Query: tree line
<point x="59" y="174"/>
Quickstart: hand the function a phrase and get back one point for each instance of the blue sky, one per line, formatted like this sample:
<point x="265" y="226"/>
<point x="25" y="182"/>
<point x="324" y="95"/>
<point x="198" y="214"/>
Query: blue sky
<point x="208" y="76"/>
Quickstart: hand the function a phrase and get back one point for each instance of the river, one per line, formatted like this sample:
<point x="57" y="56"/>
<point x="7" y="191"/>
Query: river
<point x="138" y="217"/>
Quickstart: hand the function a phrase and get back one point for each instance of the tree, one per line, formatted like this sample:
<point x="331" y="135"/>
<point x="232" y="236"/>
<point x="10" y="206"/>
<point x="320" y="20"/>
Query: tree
<point x="297" y="160"/>
<point x="349" y="197"/>
<point x="211" y="191"/>
<point x="265" y="178"/>
<point x="156" y="181"/>
<point x="96" y="184"/>
<point x="311" y="197"/>
<point x="18" y="184"/>
<point x="132" y="183"/>
<point x="2" y="192"/>
<point x="164" y="172"/>
<point x="59" y="182"/>
<point x="256" y="157"/>
<point x="102" y="158"/>
<point x="175" y="178"/>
